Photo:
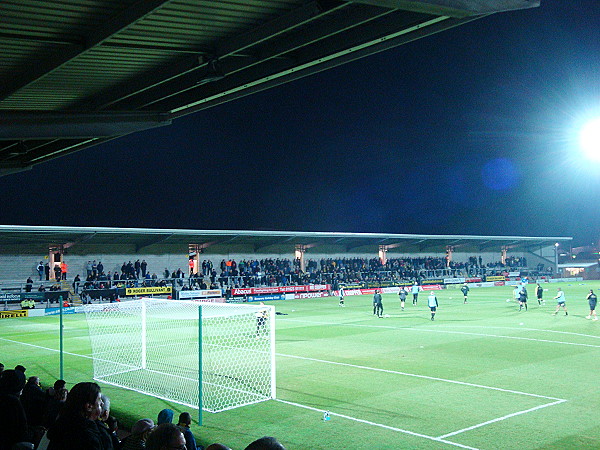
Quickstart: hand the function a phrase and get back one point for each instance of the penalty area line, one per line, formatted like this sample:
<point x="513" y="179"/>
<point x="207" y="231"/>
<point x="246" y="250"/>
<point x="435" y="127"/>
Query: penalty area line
<point x="499" y="419"/>
<point x="380" y="425"/>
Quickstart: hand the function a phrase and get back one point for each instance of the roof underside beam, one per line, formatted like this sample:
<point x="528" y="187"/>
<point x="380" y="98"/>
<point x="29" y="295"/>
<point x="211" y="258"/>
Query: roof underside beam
<point x="40" y="68"/>
<point x="455" y="8"/>
<point x="49" y="125"/>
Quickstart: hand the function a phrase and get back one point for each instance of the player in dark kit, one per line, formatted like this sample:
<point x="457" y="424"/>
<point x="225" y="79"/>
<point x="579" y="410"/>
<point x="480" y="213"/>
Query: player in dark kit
<point x="539" y="291"/>
<point x="402" y="294"/>
<point x="523" y="298"/>
<point x="342" y="296"/>
<point x="377" y="305"/>
<point x="465" y="290"/>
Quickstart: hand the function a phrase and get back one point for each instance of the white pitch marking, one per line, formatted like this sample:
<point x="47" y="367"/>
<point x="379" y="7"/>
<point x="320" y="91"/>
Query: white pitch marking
<point x="508" y="416"/>
<point x="387" y="427"/>
<point x="395" y="372"/>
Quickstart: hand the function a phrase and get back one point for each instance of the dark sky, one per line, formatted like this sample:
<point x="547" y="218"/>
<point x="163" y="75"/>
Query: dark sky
<point x="471" y="131"/>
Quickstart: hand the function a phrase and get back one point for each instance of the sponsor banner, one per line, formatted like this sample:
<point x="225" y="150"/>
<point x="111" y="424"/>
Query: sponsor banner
<point x="265" y="298"/>
<point x="10" y="297"/>
<point x="473" y="280"/>
<point x="149" y="290"/>
<point x="279" y="289"/>
<point x="514" y="274"/>
<point x="380" y="284"/>
<point x="352" y="285"/>
<point x="210" y="300"/>
<point x="483" y="284"/>
<point x="435" y="281"/>
<point x="36" y="312"/>
<point x="495" y="278"/>
<point x="454" y="280"/>
<point x="307" y="295"/>
<point x="13" y="314"/>
<point x="432" y="287"/>
<point x="200" y="293"/>
<point x="56" y="311"/>
<point x="499" y="283"/>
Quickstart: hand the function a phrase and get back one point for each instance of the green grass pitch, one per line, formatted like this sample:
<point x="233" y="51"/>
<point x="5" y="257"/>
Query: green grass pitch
<point x="482" y="375"/>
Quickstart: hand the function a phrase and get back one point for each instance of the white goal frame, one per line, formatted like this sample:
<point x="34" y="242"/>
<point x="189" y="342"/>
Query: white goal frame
<point x="152" y="346"/>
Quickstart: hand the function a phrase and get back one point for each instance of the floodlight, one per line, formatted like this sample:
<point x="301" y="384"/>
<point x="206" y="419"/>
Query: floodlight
<point x="589" y="139"/>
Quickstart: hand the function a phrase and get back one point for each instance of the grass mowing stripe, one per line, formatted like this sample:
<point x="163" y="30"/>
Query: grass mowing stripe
<point x="345" y="324"/>
<point x="45" y="348"/>
<point x="387" y="427"/>
<point x="498" y="419"/>
<point x="464" y="383"/>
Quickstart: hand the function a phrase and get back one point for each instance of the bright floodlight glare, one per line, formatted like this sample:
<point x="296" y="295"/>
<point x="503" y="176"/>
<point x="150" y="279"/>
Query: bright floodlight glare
<point x="590" y="139"/>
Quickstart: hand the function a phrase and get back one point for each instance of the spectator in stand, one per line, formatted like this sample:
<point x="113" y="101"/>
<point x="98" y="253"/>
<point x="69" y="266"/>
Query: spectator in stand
<point x="144" y="267"/>
<point x="64" y="268"/>
<point x="217" y="446"/>
<point x="165" y="416"/>
<point x="108" y="436"/>
<point x="40" y="270"/>
<point x="138" y="268"/>
<point x="166" y="436"/>
<point x="54" y="406"/>
<point x="1" y="369"/>
<point x="13" y="421"/>
<point x="185" y="420"/>
<point x="89" y="269"/>
<point x="139" y="435"/>
<point x="28" y="284"/>
<point x="47" y="271"/>
<point x="76" y="282"/>
<point x="57" y="272"/>
<point x="265" y="443"/>
<point x="100" y="268"/>
<point x="33" y="400"/>
<point x="75" y="428"/>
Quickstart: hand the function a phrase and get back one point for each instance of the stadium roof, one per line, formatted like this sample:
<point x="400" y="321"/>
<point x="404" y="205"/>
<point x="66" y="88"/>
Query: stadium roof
<point x="76" y="73"/>
<point x="37" y="238"/>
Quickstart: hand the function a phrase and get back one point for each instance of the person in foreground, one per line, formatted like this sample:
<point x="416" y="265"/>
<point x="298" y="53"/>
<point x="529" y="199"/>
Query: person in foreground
<point x="265" y="443"/>
<point x="76" y="427"/>
<point x="167" y="436"/>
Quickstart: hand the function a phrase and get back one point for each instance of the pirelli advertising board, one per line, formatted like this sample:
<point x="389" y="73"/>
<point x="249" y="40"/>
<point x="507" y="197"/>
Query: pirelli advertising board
<point x="149" y="290"/>
<point x="13" y="314"/>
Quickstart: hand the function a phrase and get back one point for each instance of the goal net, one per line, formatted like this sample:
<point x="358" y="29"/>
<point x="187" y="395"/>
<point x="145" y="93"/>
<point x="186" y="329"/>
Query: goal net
<point x="152" y="346"/>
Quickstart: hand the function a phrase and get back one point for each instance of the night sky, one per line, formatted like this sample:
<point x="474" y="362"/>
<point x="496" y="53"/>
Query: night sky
<point x="470" y="131"/>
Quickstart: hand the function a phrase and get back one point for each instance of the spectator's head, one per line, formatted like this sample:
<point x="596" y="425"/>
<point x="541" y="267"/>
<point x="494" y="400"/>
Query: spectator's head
<point x="61" y="394"/>
<point x="265" y="443"/>
<point x="217" y="446"/>
<point x="105" y="409"/>
<point x="84" y="400"/>
<point x="165" y="416"/>
<point x="142" y="428"/>
<point x="166" y="436"/>
<point x="20" y="368"/>
<point x="1" y="368"/>
<point x="33" y="381"/>
<point x="185" y="419"/>
<point x="12" y="382"/>
<point x="59" y="384"/>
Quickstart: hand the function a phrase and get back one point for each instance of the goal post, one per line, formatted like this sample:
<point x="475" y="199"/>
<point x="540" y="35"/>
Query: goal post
<point x="208" y="356"/>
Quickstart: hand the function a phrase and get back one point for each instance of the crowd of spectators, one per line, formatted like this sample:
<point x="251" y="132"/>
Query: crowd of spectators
<point x="59" y="419"/>
<point x="284" y="271"/>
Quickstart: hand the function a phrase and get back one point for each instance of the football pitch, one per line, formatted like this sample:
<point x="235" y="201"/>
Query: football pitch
<point x="483" y="375"/>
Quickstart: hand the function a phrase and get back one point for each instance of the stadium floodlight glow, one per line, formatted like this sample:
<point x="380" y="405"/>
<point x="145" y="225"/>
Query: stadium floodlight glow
<point x="589" y="139"/>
